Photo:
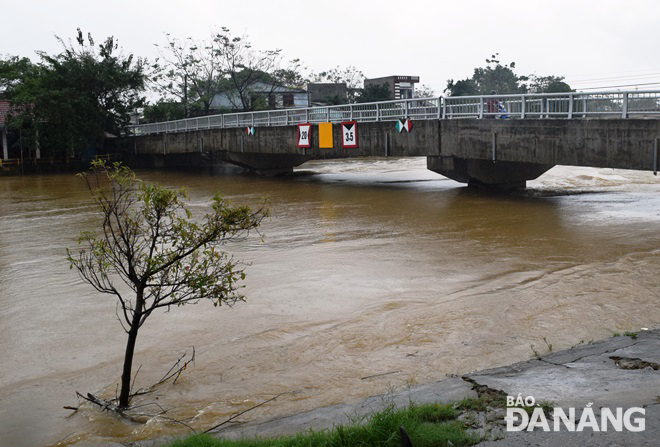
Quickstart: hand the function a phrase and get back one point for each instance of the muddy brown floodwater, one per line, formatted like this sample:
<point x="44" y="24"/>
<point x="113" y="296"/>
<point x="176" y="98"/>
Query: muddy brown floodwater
<point x="368" y="268"/>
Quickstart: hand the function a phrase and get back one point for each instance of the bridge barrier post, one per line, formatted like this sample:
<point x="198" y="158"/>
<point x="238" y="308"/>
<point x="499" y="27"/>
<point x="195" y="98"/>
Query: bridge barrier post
<point x="405" y="108"/>
<point x="481" y="107"/>
<point x="494" y="147"/>
<point x="444" y="107"/>
<point x="655" y="157"/>
<point x="522" y="107"/>
<point x="570" y="106"/>
<point x="377" y="112"/>
<point x="624" y="111"/>
<point x="351" y="107"/>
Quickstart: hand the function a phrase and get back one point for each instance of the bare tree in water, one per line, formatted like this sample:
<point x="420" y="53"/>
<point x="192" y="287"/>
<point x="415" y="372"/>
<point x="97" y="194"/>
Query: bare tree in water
<point x="151" y="254"/>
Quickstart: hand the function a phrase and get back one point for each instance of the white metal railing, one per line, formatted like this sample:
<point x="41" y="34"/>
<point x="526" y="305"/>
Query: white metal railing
<point x="572" y="105"/>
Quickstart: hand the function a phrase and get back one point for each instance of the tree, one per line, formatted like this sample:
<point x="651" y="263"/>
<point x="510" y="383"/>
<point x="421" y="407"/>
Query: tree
<point x="163" y="111"/>
<point x="503" y="80"/>
<point x="424" y="91"/>
<point x="494" y="76"/>
<point x="253" y="74"/>
<point x="73" y="98"/>
<point x="375" y="92"/>
<point x="188" y="71"/>
<point x="150" y="243"/>
<point x="548" y="84"/>
<point x="465" y="87"/>
<point x="193" y="72"/>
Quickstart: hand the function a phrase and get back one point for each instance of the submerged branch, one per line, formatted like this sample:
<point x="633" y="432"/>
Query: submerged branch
<point x="243" y="412"/>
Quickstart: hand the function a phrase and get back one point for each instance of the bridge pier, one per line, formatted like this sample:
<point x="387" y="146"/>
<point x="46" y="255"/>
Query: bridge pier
<point x="495" y="175"/>
<point x="266" y="164"/>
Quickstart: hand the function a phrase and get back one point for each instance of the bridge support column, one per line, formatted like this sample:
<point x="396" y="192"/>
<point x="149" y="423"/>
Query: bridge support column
<point x="496" y="175"/>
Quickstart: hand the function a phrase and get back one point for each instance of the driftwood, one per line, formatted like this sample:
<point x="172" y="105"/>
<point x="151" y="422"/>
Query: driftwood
<point x="243" y="412"/>
<point x="130" y="413"/>
<point x="380" y="375"/>
<point x="174" y="373"/>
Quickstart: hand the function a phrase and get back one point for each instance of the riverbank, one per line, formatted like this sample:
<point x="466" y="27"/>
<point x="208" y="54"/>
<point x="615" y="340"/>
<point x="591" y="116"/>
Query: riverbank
<point x="618" y="372"/>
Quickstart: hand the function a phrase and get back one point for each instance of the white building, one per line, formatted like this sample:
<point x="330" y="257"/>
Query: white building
<point x="273" y="97"/>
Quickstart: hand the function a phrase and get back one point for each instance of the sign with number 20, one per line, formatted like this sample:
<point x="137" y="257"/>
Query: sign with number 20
<point x="304" y="137"/>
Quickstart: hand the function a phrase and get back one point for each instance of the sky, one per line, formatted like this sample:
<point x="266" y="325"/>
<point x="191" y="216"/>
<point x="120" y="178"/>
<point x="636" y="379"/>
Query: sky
<point x="593" y="43"/>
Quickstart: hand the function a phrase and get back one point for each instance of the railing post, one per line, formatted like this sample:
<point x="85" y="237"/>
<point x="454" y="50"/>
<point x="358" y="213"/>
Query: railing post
<point x="584" y="107"/>
<point x="377" y="112"/>
<point x="547" y="107"/>
<point x="624" y="112"/>
<point x="405" y="108"/>
<point x="307" y="115"/>
<point x="443" y="101"/>
<point x="522" y="107"/>
<point x="351" y="109"/>
<point x="268" y="118"/>
<point x="481" y="107"/>
<point x="655" y="157"/>
<point x="570" y="106"/>
<point x="252" y="118"/>
<point x="286" y="111"/>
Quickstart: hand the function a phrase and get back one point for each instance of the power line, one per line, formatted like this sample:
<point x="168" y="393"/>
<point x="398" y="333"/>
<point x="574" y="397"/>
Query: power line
<point x="616" y="86"/>
<point x="614" y="78"/>
<point x="614" y="73"/>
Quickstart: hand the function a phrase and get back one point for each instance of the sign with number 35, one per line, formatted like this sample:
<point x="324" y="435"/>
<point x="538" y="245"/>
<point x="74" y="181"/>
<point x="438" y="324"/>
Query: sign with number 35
<point x="349" y="135"/>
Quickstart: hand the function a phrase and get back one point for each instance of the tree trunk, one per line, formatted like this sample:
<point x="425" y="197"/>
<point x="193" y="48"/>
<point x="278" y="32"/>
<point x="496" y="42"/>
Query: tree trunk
<point x="124" y="395"/>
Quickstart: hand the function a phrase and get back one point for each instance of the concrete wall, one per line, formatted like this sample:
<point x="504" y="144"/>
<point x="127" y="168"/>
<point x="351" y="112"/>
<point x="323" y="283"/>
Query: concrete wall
<point x="373" y="140"/>
<point x="611" y="143"/>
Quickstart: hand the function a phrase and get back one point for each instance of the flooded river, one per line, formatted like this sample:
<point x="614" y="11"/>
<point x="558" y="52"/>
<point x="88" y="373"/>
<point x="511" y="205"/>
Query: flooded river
<point x="372" y="275"/>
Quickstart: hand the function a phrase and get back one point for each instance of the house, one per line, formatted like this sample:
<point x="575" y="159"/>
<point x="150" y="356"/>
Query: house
<point x="262" y="96"/>
<point x="327" y="93"/>
<point x="401" y="87"/>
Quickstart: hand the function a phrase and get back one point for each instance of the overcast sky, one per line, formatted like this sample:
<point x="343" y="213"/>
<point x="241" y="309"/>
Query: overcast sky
<point x="592" y="43"/>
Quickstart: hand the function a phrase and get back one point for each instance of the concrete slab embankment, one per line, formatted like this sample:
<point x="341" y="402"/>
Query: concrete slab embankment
<point x="616" y="372"/>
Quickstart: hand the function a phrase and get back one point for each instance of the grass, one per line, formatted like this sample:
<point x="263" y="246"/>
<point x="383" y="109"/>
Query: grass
<point x="426" y="425"/>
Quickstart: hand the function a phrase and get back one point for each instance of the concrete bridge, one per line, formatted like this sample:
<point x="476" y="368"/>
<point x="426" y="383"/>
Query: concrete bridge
<point x="495" y="141"/>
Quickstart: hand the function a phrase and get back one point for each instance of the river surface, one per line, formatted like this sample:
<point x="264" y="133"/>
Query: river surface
<point x="372" y="275"/>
